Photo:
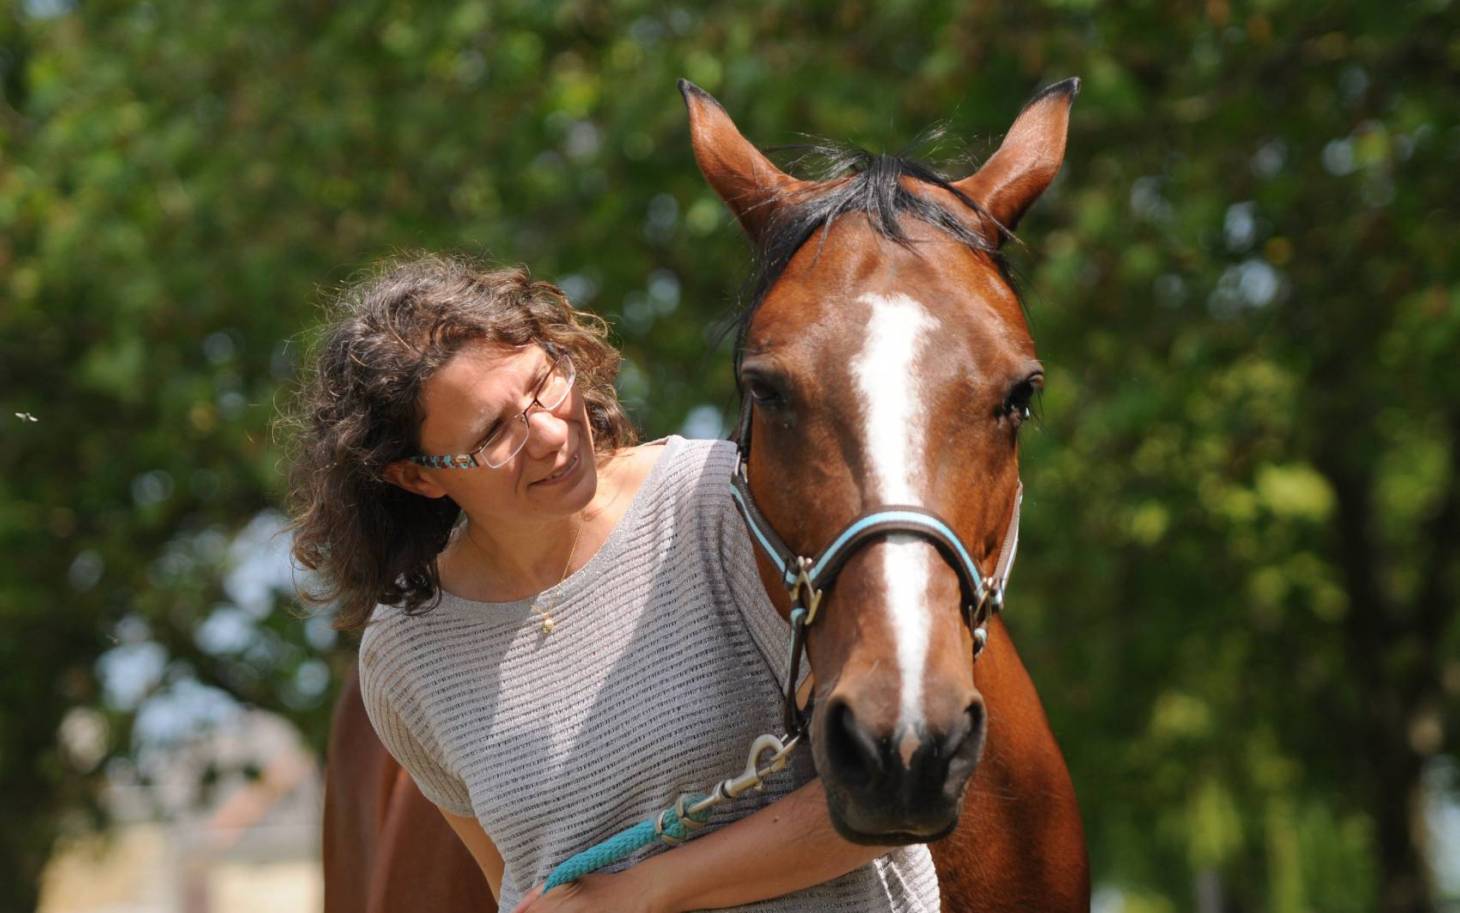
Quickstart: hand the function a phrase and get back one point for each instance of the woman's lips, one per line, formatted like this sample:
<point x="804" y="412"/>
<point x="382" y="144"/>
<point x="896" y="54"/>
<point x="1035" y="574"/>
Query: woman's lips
<point x="561" y="474"/>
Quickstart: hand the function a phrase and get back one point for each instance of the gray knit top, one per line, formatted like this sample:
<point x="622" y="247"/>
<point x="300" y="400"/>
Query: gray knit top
<point x="664" y="666"/>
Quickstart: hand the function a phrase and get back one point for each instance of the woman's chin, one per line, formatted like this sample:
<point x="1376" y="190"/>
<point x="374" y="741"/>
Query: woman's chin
<point x="574" y="491"/>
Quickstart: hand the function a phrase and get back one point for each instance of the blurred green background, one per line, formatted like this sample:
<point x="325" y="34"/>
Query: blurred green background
<point x="1241" y="565"/>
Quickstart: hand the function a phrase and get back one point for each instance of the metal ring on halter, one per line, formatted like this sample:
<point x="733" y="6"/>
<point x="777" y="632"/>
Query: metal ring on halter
<point x="990" y="602"/>
<point x="803" y="592"/>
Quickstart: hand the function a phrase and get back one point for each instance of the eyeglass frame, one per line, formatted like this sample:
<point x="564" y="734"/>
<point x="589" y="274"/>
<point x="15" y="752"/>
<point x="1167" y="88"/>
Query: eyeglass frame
<point x="470" y="461"/>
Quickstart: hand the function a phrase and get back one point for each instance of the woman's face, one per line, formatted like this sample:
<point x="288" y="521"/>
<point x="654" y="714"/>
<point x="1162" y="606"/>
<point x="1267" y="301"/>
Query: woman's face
<point x="485" y="384"/>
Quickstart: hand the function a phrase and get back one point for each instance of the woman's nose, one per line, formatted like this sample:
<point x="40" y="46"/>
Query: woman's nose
<point x="546" y="432"/>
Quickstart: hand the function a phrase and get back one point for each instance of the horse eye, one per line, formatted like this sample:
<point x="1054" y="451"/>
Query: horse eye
<point x="764" y="388"/>
<point x="764" y="394"/>
<point x="1018" y="406"/>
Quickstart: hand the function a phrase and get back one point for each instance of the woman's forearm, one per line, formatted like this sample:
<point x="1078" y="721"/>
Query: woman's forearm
<point x="786" y="846"/>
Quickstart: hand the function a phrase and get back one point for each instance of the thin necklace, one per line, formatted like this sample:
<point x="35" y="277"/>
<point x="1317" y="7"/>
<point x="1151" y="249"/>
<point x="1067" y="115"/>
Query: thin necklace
<point x="547" y="619"/>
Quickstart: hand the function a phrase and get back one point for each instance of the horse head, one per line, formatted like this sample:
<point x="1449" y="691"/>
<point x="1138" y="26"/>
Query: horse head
<point x="884" y="362"/>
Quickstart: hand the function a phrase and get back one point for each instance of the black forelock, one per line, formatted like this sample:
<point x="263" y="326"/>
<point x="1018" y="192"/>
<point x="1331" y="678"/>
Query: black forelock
<point x="856" y="181"/>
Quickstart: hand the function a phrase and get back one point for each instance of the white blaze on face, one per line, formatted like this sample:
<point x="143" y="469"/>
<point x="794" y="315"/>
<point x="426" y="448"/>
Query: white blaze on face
<point x="894" y="431"/>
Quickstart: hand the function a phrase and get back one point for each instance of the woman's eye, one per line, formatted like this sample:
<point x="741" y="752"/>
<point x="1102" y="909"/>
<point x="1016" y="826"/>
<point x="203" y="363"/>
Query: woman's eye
<point x="487" y="438"/>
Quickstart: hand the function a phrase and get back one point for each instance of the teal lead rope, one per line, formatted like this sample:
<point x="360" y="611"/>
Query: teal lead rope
<point x="677" y="824"/>
<point x="669" y="826"/>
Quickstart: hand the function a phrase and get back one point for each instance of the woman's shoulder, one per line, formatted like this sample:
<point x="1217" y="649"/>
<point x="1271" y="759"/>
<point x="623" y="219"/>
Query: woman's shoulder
<point x="638" y="462"/>
<point x="673" y="467"/>
<point x="702" y="469"/>
<point x="402" y="652"/>
<point x="695" y="458"/>
<point x="394" y="641"/>
<point x="380" y="640"/>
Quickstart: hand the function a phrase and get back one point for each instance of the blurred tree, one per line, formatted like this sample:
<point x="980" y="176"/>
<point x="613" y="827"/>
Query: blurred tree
<point x="1256" y="318"/>
<point x="1244" y="504"/>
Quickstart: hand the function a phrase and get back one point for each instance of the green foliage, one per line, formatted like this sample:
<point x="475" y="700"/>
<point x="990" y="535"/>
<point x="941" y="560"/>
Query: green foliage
<point x="1240" y="570"/>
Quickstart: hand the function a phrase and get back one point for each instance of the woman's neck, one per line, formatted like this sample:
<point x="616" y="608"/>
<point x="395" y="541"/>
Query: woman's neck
<point x="529" y="559"/>
<point x="489" y="560"/>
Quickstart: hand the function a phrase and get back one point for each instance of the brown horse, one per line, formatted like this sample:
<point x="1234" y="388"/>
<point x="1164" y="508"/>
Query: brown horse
<point x="886" y="362"/>
<point x="386" y="847"/>
<point x="854" y="406"/>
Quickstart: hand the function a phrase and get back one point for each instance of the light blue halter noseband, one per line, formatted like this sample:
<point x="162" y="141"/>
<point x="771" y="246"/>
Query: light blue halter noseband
<point x="807" y="577"/>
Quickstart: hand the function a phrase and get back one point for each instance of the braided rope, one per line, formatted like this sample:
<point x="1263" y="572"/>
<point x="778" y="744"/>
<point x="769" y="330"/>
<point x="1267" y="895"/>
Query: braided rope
<point x="671" y="826"/>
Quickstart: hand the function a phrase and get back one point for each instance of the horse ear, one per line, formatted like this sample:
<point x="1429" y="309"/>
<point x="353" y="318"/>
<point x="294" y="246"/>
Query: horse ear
<point x="749" y="183"/>
<point x="1027" y="160"/>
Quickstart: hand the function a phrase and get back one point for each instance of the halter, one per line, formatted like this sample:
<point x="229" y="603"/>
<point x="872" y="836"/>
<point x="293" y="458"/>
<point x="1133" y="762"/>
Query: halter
<point x="807" y="577"/>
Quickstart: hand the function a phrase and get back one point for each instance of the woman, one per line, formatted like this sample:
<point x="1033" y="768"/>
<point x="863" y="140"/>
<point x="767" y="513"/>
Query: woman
<point x="566" y="631"/>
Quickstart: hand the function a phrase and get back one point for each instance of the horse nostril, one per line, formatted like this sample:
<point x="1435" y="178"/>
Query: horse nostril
<point x="850" y="748"/>
<point x="967" y="735"/>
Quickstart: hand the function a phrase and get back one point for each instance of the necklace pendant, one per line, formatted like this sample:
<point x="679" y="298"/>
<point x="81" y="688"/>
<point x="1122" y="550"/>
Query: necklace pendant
<point x="548" y="624"/>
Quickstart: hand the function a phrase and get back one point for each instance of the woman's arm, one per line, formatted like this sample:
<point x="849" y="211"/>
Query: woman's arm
<point x="481" y="847"/>
<point x="786" y="846"/>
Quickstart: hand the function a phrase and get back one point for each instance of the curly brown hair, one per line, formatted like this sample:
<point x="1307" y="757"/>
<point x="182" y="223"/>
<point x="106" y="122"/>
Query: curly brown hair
<point x="359" y="409"/>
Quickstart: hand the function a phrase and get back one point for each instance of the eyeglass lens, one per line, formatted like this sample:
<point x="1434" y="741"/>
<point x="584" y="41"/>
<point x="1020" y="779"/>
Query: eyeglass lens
<point x="512" y="436"/>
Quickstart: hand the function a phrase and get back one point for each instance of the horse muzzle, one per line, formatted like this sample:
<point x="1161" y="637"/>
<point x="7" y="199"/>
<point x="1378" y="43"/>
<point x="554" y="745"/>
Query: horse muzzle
<point x="896" y="784"/>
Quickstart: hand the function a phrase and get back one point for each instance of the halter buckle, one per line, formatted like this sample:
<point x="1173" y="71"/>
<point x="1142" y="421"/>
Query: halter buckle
<point x="803" y="585"/>
<point x="988" y="602"/>
<point x="996" y="599"/>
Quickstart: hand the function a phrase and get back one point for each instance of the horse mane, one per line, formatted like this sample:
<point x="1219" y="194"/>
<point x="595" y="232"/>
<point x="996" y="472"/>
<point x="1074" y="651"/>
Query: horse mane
<point x="855" y="180"/>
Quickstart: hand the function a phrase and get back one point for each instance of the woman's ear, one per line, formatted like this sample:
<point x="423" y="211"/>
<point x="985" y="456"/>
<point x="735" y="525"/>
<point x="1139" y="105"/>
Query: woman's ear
<point x="408" y="475"/>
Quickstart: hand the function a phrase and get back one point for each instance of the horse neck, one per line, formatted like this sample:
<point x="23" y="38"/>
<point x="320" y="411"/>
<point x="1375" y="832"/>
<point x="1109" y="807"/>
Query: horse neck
<point x="1021" y="796"/>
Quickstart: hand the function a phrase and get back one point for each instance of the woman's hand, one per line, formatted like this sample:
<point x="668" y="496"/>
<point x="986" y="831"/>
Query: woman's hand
<point x="621" y="892"/>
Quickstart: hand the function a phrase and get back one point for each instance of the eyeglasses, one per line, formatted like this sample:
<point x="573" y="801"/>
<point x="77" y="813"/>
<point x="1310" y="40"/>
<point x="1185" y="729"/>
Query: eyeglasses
<point x="510" y="436"/>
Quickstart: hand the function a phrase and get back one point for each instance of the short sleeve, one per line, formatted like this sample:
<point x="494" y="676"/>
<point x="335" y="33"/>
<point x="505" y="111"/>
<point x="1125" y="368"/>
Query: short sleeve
<point x="411" y="751"/>
<point x="734" y="554"/>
